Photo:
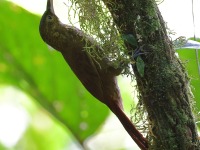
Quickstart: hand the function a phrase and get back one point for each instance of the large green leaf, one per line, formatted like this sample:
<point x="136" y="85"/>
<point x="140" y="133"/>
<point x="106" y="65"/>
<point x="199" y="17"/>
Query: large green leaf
<point x="27" y="63"/>
<point x="188" y="57"/>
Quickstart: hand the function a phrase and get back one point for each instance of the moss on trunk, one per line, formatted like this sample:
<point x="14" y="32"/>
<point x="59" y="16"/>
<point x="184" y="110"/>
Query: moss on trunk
<point x="164" y="89"/>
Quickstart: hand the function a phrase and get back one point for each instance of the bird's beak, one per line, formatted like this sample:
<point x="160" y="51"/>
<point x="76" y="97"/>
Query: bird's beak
<point x="50" y="6"/>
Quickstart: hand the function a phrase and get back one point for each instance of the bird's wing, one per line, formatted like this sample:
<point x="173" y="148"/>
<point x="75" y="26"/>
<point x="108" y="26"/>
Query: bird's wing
<point x="85" y="68"/>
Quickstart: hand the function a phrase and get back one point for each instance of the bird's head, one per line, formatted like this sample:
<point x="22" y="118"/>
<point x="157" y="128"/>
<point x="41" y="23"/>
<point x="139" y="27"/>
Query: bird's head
<point x="49" y="24"/>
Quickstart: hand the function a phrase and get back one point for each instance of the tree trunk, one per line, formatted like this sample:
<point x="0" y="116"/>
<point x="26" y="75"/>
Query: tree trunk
<point x="164" y="88"/>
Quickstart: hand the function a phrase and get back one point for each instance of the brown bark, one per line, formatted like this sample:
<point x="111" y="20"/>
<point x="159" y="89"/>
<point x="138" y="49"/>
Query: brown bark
<point x="164" y="88"/>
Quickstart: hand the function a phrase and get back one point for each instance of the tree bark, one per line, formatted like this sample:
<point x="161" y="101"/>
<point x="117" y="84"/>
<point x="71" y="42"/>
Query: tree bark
<point x="164" y="89"/>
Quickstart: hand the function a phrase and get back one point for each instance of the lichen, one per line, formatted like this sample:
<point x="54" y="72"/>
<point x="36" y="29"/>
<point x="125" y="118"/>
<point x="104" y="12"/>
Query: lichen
<point x="96" y="21"/>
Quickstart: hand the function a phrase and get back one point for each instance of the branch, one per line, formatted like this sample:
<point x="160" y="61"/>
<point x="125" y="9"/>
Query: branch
<point x="164" y="87"/>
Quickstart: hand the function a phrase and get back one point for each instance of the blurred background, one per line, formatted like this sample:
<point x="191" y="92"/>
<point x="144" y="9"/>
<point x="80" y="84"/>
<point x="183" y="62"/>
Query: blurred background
<point x="42" y="104"/>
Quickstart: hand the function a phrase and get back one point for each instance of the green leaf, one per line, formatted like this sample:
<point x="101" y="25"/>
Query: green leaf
<point x="140" y="66"/>
<point x="130" y="39"/>
<point x="26" y="63"/>
<point x="188" y="57"/>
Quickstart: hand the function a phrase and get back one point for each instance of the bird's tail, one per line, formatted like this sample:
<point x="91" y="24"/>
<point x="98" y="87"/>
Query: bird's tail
<point x="129" y="127"/>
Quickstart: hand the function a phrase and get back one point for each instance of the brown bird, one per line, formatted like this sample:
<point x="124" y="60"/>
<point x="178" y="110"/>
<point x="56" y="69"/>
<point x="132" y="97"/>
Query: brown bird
<point x="97" y="76"/>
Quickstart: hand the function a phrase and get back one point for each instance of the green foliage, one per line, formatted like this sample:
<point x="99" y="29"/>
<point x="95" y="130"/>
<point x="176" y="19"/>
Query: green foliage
<point x="28" y="64"/>
<point x="129" y="38"/>
<point x="140" y="66"/>
<point x="41" y="126"/>
<point x="188" y="57"/>
<point x="2" y="147"/>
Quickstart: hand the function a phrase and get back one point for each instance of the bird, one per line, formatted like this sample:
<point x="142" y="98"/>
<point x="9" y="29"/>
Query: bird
<point x="95" y="73"/>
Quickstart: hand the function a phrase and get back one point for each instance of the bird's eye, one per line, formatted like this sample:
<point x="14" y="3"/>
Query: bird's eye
<point x="49" y="17"/>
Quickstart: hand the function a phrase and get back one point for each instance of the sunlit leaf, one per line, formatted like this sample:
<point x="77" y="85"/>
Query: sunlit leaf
<point x="27" y="63"/>
<point x="189" y="58"/>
